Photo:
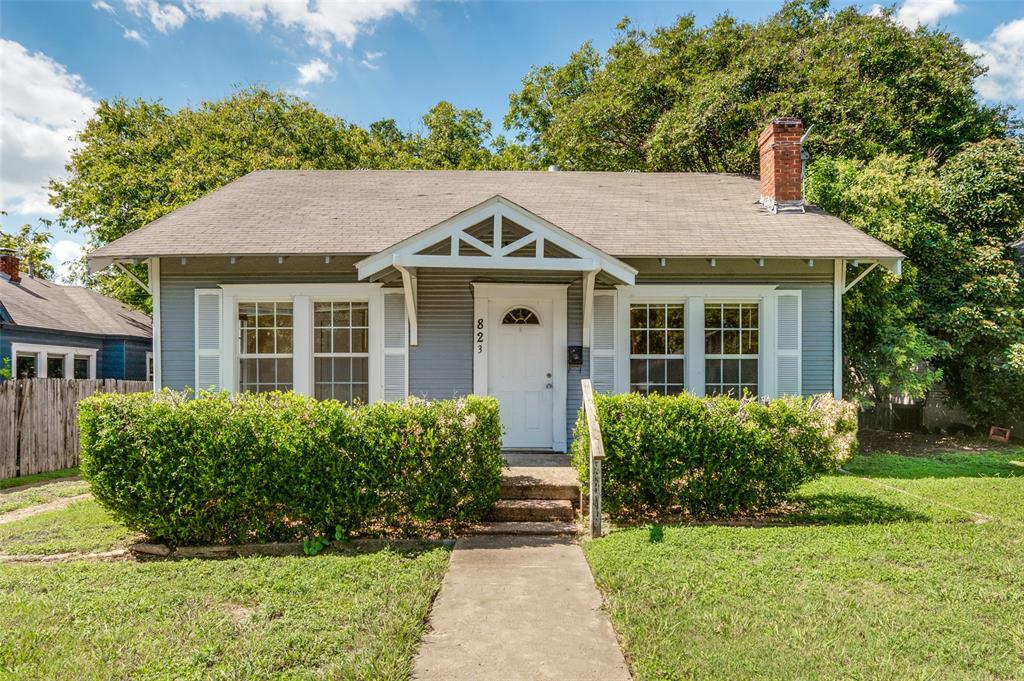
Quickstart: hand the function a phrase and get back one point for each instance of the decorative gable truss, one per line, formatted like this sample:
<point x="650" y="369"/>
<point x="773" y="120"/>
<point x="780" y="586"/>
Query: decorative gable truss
<point x="495" y="235"/>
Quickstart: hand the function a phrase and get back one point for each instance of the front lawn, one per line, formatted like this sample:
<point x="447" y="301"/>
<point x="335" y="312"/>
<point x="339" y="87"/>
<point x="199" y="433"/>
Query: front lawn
<point x="877" y="584"/>
<point x="82" y="527"/>
<point x="332" y="616"/>
<point x="7" y="483"/>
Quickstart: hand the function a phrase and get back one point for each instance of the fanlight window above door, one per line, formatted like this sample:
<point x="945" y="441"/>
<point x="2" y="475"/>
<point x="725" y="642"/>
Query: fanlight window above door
<point x="520" y="316"/>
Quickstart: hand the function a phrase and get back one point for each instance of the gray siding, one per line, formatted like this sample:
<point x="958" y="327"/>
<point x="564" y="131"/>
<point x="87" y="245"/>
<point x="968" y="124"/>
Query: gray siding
<point x="441" y="366"/>
<point x="816" y="337"/>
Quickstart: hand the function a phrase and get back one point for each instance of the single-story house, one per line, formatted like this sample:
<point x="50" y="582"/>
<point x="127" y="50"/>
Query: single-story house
<point x="376" y="285"/>
<point x="52" y="331"/>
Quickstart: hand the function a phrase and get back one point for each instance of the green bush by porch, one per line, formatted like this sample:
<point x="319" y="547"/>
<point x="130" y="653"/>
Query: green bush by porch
<point x="282" y="466"/>
<point x="711" y="456"/>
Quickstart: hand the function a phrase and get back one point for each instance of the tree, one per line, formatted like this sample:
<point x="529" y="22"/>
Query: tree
<point x="960" y="303"/>
<point x="32" y="246"/>
<point x="689" y="98"/>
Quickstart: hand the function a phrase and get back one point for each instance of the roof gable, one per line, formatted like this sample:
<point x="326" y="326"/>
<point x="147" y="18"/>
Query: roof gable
<point x="497" y="234"/>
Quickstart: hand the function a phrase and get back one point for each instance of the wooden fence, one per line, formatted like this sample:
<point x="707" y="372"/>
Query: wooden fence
<point x="39" y="424"/>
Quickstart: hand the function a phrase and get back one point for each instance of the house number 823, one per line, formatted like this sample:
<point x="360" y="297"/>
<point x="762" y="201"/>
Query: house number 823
<point x="479" y="336"/>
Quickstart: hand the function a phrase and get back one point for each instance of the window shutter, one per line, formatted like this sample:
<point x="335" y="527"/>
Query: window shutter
<point x="787" y="343"/>
<point x="208" y="321"/>
<point x="602" y="343"/>
<point x="396" y="347"/>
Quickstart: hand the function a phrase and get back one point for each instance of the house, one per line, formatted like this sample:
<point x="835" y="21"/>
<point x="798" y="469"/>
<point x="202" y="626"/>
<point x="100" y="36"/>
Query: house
<point x="52" y="331"/>
<point x="375" y="285"/>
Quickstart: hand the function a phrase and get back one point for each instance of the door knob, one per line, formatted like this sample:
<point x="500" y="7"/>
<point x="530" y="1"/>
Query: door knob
<point x="548" y="385"/>
<point x="549" y="374"/>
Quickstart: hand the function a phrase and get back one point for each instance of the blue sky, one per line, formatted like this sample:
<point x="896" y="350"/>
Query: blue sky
<point x="363" y="61"/>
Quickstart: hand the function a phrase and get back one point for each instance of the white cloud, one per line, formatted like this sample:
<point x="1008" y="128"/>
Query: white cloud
<point x="914" y="13"/>
<point x="1003" y="53"/>
<point x="165" y="18"/>
<point x="42" y="107"/>
<point x="63" y="256"/>
<point x="134" y="36"/>
<point x="100" y="5"/>
<point x="324" y="23"/>
<point x="314" y="71"/>
<point x="370" y="60"/>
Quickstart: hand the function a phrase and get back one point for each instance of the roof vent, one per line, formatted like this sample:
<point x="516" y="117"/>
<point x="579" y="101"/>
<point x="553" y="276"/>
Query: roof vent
<point x="10" y="266"/>
<point x="554" y="168"/>
<point x="779" y="148"/>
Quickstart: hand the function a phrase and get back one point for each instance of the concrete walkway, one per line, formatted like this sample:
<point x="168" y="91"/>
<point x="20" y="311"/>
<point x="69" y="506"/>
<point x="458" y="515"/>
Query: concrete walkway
<point x="519" y="607"/>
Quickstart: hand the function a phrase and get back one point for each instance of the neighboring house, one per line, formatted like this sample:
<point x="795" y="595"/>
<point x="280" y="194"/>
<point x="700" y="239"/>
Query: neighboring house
<point x="53" y="331"/>
<point x="381" y="284"/>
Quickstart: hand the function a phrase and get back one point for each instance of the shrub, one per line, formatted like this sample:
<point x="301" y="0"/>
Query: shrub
<point x="711" y="456"/>
<point x="278" y="466"/>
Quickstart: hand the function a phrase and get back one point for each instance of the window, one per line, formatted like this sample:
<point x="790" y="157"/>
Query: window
<point x="25" y="366"/>
<point x="731" y="346"/>
<point x="150" y="367"/>
<point x="341" y="351"/>
<point x="55" y="366"/>
<point x="81" y="367"/>
<point x="657" y="340"/>
<point x="265" y="357"/>
<point x="520" y="316"/>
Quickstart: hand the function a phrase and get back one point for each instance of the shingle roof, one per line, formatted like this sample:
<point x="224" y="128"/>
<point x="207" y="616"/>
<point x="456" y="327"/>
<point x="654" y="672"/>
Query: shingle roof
<point x="290" y="212"/>
<point x="41" y="304"/>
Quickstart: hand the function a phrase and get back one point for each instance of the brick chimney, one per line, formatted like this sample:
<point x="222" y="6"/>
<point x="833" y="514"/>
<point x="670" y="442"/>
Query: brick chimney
<point x="9" y="265"/>
<point x="779" y="150"/>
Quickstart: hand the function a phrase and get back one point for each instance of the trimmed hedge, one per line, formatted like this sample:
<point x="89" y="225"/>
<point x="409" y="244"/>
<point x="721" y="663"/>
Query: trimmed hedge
<point x="711" y="457"/>
<point x="280" y="466"/>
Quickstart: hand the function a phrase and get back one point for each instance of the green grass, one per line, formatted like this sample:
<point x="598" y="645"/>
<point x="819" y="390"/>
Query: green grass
<point x="880" y="585"/>
<point x="51" y="491"/>
<point x="81" y="527"/>
<point x="37" y="477"/>
<point x="331" y="616"/>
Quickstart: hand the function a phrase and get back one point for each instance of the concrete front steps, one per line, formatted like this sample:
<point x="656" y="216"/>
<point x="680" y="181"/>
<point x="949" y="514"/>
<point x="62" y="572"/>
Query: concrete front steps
<point x="539" y="494"/>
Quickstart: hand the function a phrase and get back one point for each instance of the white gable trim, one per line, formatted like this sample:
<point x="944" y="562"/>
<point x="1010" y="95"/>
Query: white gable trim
<point x="587" y="257"/>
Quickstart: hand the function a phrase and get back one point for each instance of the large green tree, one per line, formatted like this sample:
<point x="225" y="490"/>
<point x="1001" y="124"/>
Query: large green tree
<point x="958" y="309"/>
<point x="692" y="98"/>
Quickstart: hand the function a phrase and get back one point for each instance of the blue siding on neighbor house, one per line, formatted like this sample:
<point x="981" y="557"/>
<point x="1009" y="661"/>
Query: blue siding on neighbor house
<point x="123" y="358"/>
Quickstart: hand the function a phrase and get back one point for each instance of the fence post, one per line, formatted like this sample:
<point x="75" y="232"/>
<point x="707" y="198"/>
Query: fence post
<point x="596" y="457"/>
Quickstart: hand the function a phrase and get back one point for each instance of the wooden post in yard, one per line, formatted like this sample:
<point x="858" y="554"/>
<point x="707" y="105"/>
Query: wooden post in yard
<point x="596" y="457"/>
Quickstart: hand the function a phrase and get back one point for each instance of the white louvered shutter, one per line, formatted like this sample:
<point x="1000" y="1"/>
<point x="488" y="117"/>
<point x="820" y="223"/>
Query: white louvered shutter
<point x="396" y="347"/>
<point x="208" y="321"/>
<point x="602" y="342"/>
<point x="787" y="343"/>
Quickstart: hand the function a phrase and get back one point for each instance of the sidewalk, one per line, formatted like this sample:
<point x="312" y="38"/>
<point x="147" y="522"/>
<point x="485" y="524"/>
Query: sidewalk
<point x="519" y="607"/>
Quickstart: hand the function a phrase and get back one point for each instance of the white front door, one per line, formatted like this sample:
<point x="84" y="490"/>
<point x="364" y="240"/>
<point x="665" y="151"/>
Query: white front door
<point x="521" y="368"/>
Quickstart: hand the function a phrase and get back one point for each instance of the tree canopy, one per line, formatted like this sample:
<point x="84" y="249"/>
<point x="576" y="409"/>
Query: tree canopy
<point x="691" y="98"/>
<point x="32" y="246"/>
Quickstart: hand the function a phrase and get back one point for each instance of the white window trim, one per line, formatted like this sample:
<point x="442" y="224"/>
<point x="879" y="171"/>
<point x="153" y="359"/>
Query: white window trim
<point x="302" y="297"/>
<point x="694" y="296"/>
<point x="266" y="355"/>
<point x="41" y="351"/>
<point x="340" y="355"/>
<point x="154" y="287"/>
<point x="762" y="303"/>
<point x="150" y="362"/>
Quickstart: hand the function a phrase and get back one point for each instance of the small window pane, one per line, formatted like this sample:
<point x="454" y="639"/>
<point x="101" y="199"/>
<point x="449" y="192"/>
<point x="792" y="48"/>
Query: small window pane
<point x="82" y="367"/>
<point x="676" y="317"/>
<point x="638" y="316"/>
<point x="731" y="343"/>
<point x="713" y="371"/>
<point x="713" y="316"/>
<point x="731" y="316"/>
<point x="284" y="341"/>
<point x="730" y="371"/>
<point x="748" y="371"/>
<point x="265" y="315"/>
<point x="360" y="340"/>
<point x="265" y="342"/>
<point x="360" y="369"/>
<point x="321" y="314"/>
<point x="713" y="342"/>
<point x="638" y="342"/>
<point x="341" y="341"/>
<point x="26" y="366"/>
<point x="361" y="392"/>
<point x="55" y="366"/>
<point x="360" y="314"/>
<point x="674" y="367"/>
<point x="656" y="317"/>
<point x="638" y="371"/>
<point x="321" y="340"/>
<point x="676" y="342"/>
<point x="343" y="369"/>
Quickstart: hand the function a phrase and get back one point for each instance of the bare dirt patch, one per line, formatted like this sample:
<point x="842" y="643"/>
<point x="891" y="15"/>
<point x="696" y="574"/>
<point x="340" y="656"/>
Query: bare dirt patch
<point x="922" y="444"/>
<point x="54" y="505"/>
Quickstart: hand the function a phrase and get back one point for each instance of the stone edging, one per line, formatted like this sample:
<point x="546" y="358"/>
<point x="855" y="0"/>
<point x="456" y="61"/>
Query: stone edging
<point x="150" y="551"/>
<point x="102" y="556"/>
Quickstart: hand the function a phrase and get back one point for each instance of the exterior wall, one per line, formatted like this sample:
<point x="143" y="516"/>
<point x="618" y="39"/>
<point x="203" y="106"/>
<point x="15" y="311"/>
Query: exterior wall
<point x="441" y="365"/>
<point x="123" y="358"/>
<point x="178" y="283"/>
<point x="815" y="282"/>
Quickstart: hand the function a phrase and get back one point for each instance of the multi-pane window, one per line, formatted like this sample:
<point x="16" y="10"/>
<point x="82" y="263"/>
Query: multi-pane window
<point x="731" y="345"/>
<point x="657" y="352"/>
<point x="265" y="353"/>
<point x="341" y="351"/>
